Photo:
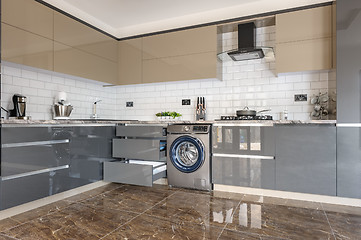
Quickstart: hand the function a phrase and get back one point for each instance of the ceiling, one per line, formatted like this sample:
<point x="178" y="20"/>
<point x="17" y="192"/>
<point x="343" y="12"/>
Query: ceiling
<point x="124" y="18"/>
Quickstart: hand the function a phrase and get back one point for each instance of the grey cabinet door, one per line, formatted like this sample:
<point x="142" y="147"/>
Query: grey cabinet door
<point x="244" y="140"/>
<point x="348" y="61"/>
<point x="349" y="162"/>
<point x="306" y="159"/>
<point x="244" y="172"/>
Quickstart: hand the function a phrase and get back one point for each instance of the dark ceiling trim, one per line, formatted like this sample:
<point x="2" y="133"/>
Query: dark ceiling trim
<point x="189" y="27"/>
<point x="76" y="19"/>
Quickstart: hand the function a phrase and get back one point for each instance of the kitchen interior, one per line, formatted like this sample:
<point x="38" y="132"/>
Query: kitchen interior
<point x="232" y="120"/>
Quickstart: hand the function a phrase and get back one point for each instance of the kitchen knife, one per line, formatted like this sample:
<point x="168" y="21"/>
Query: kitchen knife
<point x="204" y="103"/>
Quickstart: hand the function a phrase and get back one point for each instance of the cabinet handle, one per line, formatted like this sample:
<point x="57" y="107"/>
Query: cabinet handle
<point x="37" y="143"/>
<point x="27" y="174"/>
<point x="243" y="156"/>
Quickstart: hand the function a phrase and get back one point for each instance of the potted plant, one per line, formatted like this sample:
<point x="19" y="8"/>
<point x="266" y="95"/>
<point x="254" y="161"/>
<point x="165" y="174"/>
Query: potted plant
<point x="168" y="115"/>
<point x="159" y="115"/>
<point x="175" y="115"/>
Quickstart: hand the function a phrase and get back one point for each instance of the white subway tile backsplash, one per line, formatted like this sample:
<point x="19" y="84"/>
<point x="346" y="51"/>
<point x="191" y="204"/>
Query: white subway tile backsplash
<point x="6" y="79"/>
<point x="36" y="84"/>
<point x="18" y="81"/>
<point x="29" y="74"/>
<point x="302" y="85"/>
<point x="11" y="71"/>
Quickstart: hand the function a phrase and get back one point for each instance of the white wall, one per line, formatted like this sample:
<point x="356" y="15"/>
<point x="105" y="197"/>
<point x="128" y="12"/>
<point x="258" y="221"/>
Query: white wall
<point x="250" y="83"/>
<point x="41" y="87"/>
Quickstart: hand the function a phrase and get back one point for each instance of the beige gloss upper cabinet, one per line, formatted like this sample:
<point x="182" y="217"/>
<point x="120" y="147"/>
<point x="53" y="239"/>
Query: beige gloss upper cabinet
<point x="26" y="48"/>
<point x="182" y="55"/>
<point x="178" y="68"/>
<point x="76" y="62"/>
<point x="179" y="43"/>
<point x="75" y="34"/>
<point x="28" y="15"/>
<point x="130" y="61"/>
<point x="304" y="40"/>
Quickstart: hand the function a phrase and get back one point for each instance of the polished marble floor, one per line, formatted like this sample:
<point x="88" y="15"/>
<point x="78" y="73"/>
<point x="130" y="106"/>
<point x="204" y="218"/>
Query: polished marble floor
<point x="118" y="211"/>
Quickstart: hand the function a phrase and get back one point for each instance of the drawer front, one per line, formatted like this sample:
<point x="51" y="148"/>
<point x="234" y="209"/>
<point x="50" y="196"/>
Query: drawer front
<point x="140" y="131"/>
<point x="25" y="189"/>
<point x="17" y="160"/>
<point x="144" y="149"/>
<point x="244" y="172"/>
<point x="129" y="173"/>
<point x="245" y="140"/>
<point x="33" y="134"/>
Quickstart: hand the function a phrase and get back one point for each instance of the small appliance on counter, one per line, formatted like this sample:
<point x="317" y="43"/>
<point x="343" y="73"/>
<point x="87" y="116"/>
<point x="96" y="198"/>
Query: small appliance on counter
<point x="62" y="108"/>
<point x="19" y="111"/>
<point x="201" y="109"/>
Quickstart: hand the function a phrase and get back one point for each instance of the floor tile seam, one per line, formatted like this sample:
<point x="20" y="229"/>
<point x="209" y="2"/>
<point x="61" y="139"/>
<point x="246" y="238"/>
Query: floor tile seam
<point x="9" y="229"/>
<point x="324" y="212"/>
<point x="18" y="224"/>
<point x="224" y="227"/>
<point x="135" y="217"/>
<point x="1" y="234"/>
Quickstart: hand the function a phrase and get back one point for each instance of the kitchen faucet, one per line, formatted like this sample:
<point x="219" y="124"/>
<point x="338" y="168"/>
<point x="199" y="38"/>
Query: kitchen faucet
<point x="95" y="115"/>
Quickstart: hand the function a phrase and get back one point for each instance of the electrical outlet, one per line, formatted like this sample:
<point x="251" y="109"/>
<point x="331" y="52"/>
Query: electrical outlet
<point x="186" y="102"/>
<point x="129" y="104"/>
<point x="300" y="97"/>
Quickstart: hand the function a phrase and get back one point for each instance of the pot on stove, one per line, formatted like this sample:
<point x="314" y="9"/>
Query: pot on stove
<point x="249" y="112"/>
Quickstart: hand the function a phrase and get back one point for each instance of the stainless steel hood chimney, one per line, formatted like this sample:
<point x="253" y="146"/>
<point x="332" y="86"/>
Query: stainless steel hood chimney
<point x="246" y="44"/>
<point x="247" y="48"/>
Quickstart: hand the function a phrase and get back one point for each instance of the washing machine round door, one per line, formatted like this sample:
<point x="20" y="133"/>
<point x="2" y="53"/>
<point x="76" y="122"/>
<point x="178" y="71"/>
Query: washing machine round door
<point x="187" y="154"/>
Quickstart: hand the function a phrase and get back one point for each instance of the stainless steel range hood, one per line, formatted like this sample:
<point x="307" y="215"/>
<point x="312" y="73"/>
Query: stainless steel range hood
<point x="247" y="49"/>
<point x="246" y="44"/>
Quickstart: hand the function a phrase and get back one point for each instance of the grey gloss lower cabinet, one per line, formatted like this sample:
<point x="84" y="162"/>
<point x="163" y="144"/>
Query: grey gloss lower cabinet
<point x="140" y="150"/>
<point x="41" y="161"/>
<point x="35" y="163"/>
<point x="349" y="162"/>
<point x="306" y="159"/>
<point x="244" y="172"/>
<point x="90" y="147"/>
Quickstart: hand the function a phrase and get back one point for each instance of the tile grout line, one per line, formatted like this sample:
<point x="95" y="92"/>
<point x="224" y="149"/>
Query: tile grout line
<point x="324" y="212"/>
<point x="239" y="203"/>
<point x="137" y="216"/>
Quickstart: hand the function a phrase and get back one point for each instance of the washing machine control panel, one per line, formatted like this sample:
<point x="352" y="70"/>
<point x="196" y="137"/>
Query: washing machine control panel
<point x="200" y="129"/>
<point x="186" y="128"/>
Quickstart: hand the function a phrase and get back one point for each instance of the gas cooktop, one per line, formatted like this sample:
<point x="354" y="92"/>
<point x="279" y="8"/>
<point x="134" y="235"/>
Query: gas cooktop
<point x="261" y="117"/>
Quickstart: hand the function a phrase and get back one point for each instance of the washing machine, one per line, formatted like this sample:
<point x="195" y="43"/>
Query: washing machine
<point x="188" y="158"/>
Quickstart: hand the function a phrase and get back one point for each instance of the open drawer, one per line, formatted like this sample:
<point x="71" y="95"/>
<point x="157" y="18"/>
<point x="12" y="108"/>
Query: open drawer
<point x="136" y="172"/>
<point x="147" y="149"/>
<point x="141" y="131"/>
